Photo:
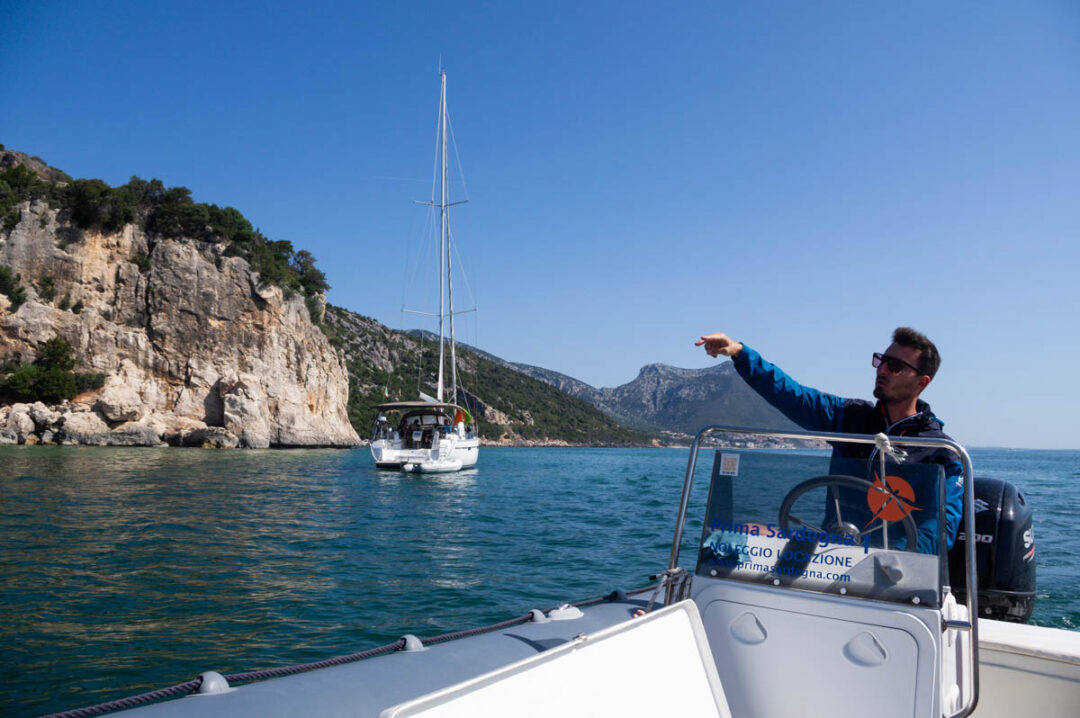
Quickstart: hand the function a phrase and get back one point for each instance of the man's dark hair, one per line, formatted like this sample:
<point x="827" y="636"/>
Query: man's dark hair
<point x="929" y="359"/>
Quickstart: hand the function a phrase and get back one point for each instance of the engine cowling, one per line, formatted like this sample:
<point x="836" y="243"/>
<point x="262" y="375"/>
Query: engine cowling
<point x="1004" y="552"/>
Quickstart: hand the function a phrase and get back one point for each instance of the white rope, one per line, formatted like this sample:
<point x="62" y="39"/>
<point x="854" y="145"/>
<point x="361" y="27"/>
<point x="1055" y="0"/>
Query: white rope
<point x="881" y="441"/>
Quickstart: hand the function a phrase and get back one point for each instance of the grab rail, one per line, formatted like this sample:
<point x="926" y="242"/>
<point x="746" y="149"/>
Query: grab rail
<point x="970" y="577"/>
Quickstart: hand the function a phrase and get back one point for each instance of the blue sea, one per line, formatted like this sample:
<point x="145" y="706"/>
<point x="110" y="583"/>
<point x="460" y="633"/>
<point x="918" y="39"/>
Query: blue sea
<point x="124" y="570"/>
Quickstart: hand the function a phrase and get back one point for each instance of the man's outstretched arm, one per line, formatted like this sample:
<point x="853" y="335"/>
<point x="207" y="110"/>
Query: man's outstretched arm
<point x="806" y="406"/>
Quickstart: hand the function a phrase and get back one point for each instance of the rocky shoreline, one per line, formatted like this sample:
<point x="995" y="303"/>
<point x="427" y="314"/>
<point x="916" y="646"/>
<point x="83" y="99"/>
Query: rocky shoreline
<point x="105" y="424"/>
<point x="110" y="421"/>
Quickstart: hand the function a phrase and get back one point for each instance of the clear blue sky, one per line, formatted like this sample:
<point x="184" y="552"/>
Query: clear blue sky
<point x="804" y="176"/>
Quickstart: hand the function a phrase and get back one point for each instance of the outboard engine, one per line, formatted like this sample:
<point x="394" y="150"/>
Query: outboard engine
<point x="1004" y="552"/>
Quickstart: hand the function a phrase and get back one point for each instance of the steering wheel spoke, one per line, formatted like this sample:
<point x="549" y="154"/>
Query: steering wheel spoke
<point x="841" y="524"/>
<point x="807" y="524"/>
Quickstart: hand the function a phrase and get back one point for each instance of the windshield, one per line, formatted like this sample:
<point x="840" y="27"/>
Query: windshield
<point x="805" y="519"/>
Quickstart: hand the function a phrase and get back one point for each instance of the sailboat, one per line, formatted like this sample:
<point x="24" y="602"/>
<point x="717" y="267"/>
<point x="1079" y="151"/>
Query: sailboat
<point x="433" y="434"/>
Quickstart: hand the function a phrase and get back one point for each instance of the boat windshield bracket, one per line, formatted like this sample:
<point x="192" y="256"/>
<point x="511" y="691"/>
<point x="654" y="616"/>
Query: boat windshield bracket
<point x="675" y="582"/>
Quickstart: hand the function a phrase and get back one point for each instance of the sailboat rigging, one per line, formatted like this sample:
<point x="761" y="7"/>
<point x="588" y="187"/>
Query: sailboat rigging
<point x="434" y="434"/>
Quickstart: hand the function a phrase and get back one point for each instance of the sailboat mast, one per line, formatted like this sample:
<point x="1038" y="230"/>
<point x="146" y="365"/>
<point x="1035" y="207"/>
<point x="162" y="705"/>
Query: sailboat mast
<point x="449" y="272"/>
<point x="443" y="233"/>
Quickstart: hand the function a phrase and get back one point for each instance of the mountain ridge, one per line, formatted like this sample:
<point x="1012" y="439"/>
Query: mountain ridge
<point x="662" y="397"/>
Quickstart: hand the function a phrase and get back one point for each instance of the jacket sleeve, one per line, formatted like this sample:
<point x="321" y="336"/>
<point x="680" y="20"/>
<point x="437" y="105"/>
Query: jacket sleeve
<point x="954" y="509"/>
<point x="807" y="407"/>
<point x="954" y="500"/>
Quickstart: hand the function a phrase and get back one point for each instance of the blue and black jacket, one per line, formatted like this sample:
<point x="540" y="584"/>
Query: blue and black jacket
<point x="813" y="409"/>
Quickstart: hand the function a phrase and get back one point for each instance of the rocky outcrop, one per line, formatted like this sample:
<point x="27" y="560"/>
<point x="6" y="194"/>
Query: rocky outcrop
<point x="195" y="348"/>
<point x="121" y="403"/>
<point x="245" y="415"/>
<point x="83" y="427"/>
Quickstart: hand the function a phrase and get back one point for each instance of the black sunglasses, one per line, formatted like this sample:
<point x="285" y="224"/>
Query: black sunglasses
<point x="893" y="364"/>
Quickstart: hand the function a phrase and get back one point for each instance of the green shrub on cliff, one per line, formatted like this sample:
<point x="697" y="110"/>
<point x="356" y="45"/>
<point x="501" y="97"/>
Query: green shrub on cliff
<point x="163" y="213"/>
<point x="20" y="384"/>
<point x="314" y="309"/>
<point x="178" y="217"/>
<point x="53" y="386"/>
<point x="11" y="288"/>
<point x="49" y="378"/>
<point x="17" y="185"/>
<point x="94" y="204"/>
<point x="311" y="280"/>
<point x="143" y="262"/>
<point x="56" y="353"/>
<point x="85" y="381"/>
<point x="47" y="289"/>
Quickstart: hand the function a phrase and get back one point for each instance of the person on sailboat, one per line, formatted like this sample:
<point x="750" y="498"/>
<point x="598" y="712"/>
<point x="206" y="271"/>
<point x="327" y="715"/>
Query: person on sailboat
<point x="903" y="371"/>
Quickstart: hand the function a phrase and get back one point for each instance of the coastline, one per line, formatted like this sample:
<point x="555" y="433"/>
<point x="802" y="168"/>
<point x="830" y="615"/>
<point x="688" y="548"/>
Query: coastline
<point x="81" y="423"/>
<point x="98" y="423"/>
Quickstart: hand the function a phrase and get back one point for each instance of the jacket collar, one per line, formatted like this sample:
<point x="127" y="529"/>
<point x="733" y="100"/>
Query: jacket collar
<point x="923" y="415"/>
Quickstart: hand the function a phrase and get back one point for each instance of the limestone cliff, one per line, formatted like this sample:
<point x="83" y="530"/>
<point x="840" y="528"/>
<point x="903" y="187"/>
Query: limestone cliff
<point x="194" y="347"/>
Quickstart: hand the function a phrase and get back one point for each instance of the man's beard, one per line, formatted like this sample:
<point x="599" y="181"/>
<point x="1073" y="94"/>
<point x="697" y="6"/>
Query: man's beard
<point x="882" y="393"/>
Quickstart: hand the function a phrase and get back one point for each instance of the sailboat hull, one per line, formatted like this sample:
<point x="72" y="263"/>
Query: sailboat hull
<point x="441" y="466"/>
<point x="391" y="454"/>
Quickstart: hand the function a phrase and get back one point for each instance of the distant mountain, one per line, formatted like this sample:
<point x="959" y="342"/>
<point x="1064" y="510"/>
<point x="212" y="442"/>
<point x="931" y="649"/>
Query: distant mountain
<point x="668" y="398"/>
<point x="665" y="398"/>
<point x="685" y="400"/>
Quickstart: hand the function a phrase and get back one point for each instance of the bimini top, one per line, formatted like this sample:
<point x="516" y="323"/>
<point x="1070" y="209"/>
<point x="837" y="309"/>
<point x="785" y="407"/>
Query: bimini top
<point x="406" y="405"/>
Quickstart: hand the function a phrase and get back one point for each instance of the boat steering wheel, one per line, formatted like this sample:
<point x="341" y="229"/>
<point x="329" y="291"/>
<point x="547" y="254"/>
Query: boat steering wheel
<point x="833" y="483"/>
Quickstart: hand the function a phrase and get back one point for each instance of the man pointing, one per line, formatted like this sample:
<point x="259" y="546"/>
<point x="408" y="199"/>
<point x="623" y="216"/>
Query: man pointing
<point x="903" y="371"/>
